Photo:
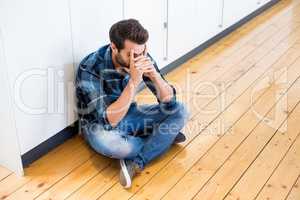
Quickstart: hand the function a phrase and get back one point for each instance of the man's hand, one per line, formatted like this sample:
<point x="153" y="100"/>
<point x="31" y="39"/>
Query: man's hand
<point x="145" y="64"/>
<point x="164" y="91"/>
<point x="136" y="73"/>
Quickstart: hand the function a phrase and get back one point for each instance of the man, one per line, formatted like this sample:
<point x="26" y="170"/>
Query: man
<point x="112" y="123"/>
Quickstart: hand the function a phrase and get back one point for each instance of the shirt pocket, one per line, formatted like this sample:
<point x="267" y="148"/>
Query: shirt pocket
<point x="114" y="86"/>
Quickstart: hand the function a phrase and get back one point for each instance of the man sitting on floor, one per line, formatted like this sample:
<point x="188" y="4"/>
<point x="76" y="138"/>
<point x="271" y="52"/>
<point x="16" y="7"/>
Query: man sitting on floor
<point x="112" y="123"/>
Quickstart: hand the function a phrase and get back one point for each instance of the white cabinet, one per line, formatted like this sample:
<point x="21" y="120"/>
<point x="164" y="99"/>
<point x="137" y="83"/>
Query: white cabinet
<point x="235" y="10"/>
<point x="208" y="19"/>
<point x="152" y="15"/>
<point x="182" y="27"/>
<point x="38" y="49"/>
<point x="91" y="20"/>
<point x="9" y="143"/>
<point x="191" y="23"/>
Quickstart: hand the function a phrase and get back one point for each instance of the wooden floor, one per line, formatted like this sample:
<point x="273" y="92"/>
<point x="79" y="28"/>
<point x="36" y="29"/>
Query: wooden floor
<point x="242" y="138"/>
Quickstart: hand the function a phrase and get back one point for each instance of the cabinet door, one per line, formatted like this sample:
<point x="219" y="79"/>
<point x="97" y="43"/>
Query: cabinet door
<point x="91" y="21"/>
<point x="10" y="156"/>
<point x="208" y="20"/>
<point x="152" y="15"/>
<point x="191" y="23"/>
<point x="235" y="10"/>
<point x="39" y="59"/>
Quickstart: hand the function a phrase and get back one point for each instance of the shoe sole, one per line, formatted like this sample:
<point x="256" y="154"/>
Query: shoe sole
<point x="125" y="173"/>
<point x="183" y="139"/>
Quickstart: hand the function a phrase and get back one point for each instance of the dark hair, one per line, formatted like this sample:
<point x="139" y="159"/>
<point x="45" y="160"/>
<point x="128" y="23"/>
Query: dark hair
<point x="129" y="29"/>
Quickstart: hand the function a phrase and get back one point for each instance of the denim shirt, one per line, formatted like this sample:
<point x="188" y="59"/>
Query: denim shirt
<point x="99" y="84"/>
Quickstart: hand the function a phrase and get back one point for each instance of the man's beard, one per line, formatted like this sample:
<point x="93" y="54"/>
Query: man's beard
<point x="121" y="61"/>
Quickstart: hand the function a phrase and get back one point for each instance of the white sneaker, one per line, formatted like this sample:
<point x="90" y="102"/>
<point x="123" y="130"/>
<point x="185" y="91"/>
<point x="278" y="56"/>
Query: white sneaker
<point x="127" y="172"/>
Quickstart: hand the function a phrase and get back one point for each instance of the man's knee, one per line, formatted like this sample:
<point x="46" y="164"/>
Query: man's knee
<point x="178" y="116"/>
<point x="181" y="111"/>
<point x="113" y="144"/>
<point x="122" y="150"/>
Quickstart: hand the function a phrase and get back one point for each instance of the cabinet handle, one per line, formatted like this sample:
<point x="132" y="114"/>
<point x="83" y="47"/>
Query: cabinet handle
<point x="222" y="14"/>
<point x="166" y="32"/>
<point x="165" y="57"/>
<point x="165" y="25"/>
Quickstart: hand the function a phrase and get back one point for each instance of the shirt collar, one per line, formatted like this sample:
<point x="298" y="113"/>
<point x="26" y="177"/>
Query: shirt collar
<point x="108" y="64"/>
<point x="108" y="60"/>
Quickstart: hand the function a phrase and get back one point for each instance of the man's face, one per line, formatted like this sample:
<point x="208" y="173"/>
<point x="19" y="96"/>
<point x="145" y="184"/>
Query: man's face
<point x="123" y="56"/>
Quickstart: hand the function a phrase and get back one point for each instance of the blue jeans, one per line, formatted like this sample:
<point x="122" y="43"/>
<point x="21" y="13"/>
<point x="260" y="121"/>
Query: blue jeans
<point x="146" y="132"/>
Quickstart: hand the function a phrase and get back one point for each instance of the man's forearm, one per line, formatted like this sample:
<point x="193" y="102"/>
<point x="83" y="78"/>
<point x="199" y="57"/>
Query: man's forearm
<point x="164" y="90"/>
<point x="118" y="109"/>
